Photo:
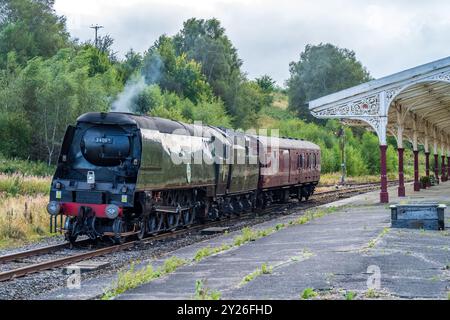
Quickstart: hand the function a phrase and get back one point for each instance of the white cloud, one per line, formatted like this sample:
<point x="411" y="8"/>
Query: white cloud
<point x="387" y="36"/>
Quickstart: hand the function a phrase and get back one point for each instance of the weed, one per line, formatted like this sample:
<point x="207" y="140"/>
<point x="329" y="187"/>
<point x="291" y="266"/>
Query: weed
<point x="350" y="295"/>
<point x="202" y="292"/>
<point x="203" y="253"/>
<point x="308" y="293"/>
<point x="133" y="278"/>
<point x="260" y="271"/>
<point x="372" y="294"/>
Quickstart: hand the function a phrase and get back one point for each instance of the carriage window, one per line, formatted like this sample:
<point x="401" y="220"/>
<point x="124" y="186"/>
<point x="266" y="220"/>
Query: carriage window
<point x="315" y="160"/>
<point x="300" y="161"/>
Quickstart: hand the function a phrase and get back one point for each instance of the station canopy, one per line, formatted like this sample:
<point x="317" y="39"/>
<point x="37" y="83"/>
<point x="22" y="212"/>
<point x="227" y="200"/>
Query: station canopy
<point x="413" y="104"/>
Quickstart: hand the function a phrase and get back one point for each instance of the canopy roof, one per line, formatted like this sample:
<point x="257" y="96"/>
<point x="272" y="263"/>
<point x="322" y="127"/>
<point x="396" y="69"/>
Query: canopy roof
<point x="414" y="103"/>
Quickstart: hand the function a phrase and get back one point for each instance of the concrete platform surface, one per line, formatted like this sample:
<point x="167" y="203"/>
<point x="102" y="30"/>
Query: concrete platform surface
<point x="347" y="250"/>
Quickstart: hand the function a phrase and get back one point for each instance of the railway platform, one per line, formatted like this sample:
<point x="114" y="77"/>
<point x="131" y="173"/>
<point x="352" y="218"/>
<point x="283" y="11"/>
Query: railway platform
<point x="350" y="250"/>
<point x="333" y="254"/>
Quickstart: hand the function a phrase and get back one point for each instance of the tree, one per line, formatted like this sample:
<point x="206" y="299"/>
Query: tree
<point x="322" y="70"/>
<point x="266" y="83"/>
<point x="51" y="93"/>
<point x="249" y="101"/>
<point x="30" y="28"/>
<point x="175" y="73"/>
<point x="205" y="41"/>
<point x="132" y="64"/>
<point x="104" y="44"/>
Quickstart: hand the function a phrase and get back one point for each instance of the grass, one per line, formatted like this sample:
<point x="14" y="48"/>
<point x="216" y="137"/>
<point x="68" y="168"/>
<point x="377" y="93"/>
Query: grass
<point x="202" y="292"/>
<point x="23" y="214"/>
<point x="329" y="179"/>
<point x="258" y="272"/>
<point x="350" y="295"/>
<point x="308" y="293"/>
<point x="25" y="167"/>
<point x="133" y="278"/>
<point x="208" y="251"/>
<point x="249" y="234"/>
<point x="372" y="243"/>
<point x="372" y="294"/>
<point x="23" y="219"/>
<point x="15" y="184"/>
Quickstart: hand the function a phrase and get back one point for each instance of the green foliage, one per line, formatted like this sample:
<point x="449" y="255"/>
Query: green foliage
<point x="372" y="294"/>
<point x="321" y="70"/>
<point x="52" y="93"/>
<point x="308" y="293"/>
<point x="175" y="73"/>
<point x="203" y="253"/>
<point x="248" y="234"/>
<point x="370" y="152"/>
<point x="30" y="28"/>
<point x="131" y="65"/>
<point x="266" y="83"/>
<point x="258" y="272"/>
<point x="202" y="292"/>
<point x="25" y="167"/>
<point x="14" y="185"/>
<point x="133" y="278"/>
<point x="15" y="133"/>
<point x="350" y="295"/>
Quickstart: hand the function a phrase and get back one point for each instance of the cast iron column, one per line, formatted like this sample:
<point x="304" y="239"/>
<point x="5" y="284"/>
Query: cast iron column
<point x="448" y="167"/>
<point x="401" y="177"/>
<point x="416" y="171"/>
<point x="436" y="168"/>
<point x="384" y="196"/>
<point x="443" y="171"/>
<point x="427" y="167"/>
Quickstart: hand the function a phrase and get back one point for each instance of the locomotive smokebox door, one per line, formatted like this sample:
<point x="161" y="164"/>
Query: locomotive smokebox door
<point x="91" y="177"/>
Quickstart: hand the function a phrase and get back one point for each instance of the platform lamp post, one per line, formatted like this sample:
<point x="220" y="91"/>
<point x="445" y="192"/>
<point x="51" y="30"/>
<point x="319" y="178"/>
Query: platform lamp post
<point x="341" y="134"/>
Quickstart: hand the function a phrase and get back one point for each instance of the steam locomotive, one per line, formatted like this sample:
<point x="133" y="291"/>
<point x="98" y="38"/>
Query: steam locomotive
<point x="121" y="174"/>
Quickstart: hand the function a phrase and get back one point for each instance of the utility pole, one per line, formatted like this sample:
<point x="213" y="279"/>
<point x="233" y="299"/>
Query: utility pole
<point x="96" y="28"/>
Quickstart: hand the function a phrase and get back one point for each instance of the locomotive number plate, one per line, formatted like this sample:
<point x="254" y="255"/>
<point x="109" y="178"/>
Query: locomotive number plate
<point x="103" y="140"/>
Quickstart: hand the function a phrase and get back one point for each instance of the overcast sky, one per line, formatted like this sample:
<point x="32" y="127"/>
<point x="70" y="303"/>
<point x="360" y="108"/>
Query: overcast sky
<point x="387" y="36"/>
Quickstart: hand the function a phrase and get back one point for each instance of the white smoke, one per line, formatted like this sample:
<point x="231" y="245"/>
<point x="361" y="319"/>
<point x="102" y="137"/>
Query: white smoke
<point x="125" y="100"/>
<point x="150" y="74"/>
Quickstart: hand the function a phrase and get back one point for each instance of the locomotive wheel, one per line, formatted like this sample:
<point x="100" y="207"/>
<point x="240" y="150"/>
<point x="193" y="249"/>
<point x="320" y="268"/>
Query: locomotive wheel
<point x="142" y="229"/>
<point x="172" y="219"/>
<point x="154" y="223"/>
<point x="188" y="217"/>
<point x="118" y="228"/>
<point x="70" y="226"/>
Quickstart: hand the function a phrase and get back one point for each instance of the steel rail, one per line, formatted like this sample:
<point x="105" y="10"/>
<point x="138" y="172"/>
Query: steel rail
<point x="37" y="251"/>
<point x="42" y="266"/>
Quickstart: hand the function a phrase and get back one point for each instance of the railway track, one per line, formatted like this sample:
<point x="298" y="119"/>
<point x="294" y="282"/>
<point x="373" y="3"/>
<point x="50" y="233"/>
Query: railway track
<point x="317" y="200"/>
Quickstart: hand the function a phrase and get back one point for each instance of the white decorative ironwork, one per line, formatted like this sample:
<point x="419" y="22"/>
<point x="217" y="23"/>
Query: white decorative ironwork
<point x="367" y="106"/>
<point x="443" y="76"/>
